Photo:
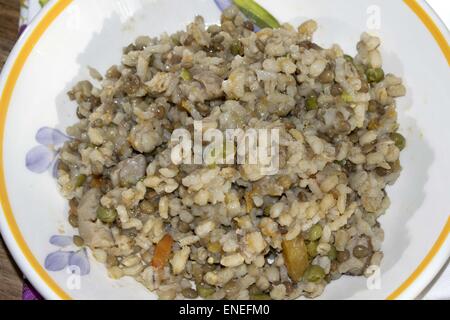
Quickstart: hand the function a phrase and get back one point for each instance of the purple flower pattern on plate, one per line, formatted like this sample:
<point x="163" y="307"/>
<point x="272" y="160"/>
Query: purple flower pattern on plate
<point x="38" y="158"/>
<point x="42" y="157"/>
<point x="61" y="241"/>
<point x="223" y="4"/>
<point x="77" y="261"/>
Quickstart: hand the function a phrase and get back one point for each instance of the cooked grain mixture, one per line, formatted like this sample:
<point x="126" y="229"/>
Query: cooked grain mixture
<point x="228" y="231"/>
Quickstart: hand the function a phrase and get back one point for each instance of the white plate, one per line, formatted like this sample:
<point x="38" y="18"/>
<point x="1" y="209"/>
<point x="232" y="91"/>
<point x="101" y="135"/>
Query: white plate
<point x="70" y="35"/>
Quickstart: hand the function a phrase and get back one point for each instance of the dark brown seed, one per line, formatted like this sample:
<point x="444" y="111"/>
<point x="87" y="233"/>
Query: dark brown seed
<point x="189" y="293"/>
<point x="289" y="125"/>
<point x="96" y="182"/>
<point x="160" y="112"/>
<point x="305" y="44"/>
<point x="343" y="127"/>
<point x="136" y="249"/>
<point x="368" y="148"/>
<point x="349" y="166"/>
<point x="327" y="76"/>
<point x="111" y="107"/>
<point x="253" y="289"/>
<point x="353" y="196"/>
<point x="98" y="123"/>
<point x="78" y="241"/>
<point x="113" y="73"/>
<point x="175" y="59"/>
<point x="73" y="145"/>
<point x="73" y="220"/>
<point x="80" y="114"/>
<point x="106" y="186"/>
<point x="336" y="90"/>
<point x="214" y="29"/>
<point x="208" y="267"/>
<point x="364" y="87"/>
<point x="131" y="84"/>
<point x="94" y="101"/>
<point x="188" y="41"/>
<point x="204" y="241"/>
<point x="302" y="196"/>
<point x="382" y="171"/>
<point x="62" y="166"/>
<point x="334" y="266"/>
<point x="373" y="124"/>
<point x="354" y="137"/>
<point x="151" y="195"/>
<point x="71" y="95"/>
<point x="248" y="25"/>
<point x="283" y="229"/>
<point x="309" y="45"/>
<point x="135" y="212"/>
<point x="197" y="273"/>
<point x="203" y="109"/>
<point x="285" y="182"/>
<point x="289" y="287"/>
<point x="73" y="204"/>
<point x="228" y="26"/>
<point x="97" y="169"/>
<point x="217" y="47"/>
<point x="168" y="126"/>
<point x="209" y="50"/>
<point x="375" y="107"/>
<point x="395" y="166"/>
<point x="129" y="48"/>
<point x="147" y="207"/>
<point x="232" y="287"/>
<point x="360" y="251"/>
<point x="111" y="261"/>
<point x="315" y="46"/>
<point x="183" y="227"/>
<point x="343" y="256"/>
<point x="325" y="136"/>
<point x="260" y="45"/>
<point x="130" y="233"/>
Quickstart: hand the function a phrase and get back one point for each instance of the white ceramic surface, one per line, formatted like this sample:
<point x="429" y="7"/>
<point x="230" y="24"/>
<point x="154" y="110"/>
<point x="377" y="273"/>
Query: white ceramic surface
<point x="92" y="33"/>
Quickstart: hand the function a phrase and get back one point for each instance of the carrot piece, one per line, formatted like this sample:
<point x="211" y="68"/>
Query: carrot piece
<point x="162" y="252"/>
